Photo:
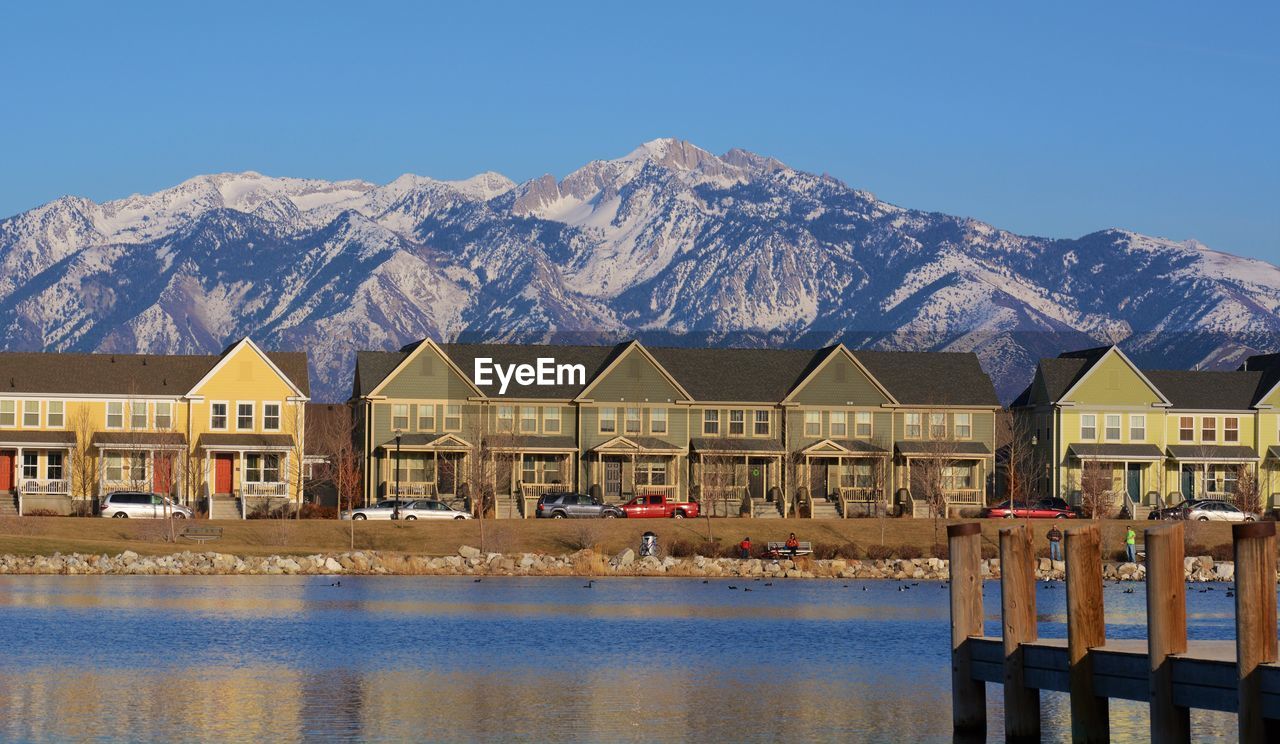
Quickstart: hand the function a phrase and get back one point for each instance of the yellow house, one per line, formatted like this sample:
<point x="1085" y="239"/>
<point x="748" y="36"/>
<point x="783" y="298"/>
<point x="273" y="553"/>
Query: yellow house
<point x="223" y="434"/>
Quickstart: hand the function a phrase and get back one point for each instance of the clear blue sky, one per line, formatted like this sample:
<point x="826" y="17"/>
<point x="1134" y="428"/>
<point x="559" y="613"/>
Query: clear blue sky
<point x="1045" y="118"/>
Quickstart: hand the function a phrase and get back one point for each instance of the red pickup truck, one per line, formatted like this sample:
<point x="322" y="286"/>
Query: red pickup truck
<point x="657" y="505"/>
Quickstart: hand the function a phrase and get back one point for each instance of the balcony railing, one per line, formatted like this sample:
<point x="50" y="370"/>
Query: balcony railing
<point x="264" y="488"/>
<point x="60" y="487"/>
<point x="408" y="489"/>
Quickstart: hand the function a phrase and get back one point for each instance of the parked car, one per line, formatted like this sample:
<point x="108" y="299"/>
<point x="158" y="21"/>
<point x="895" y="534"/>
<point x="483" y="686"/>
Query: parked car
<point x="381" y="510"/>
<point x="1177" y="511"/>
<point x="565" y="505"/>
<point x="142" y="505"/>
<point x="1204" y="510"/>
<point x="658" y="505"/>
<point x="430" y="509"/>
<point x="1044" y="508"/>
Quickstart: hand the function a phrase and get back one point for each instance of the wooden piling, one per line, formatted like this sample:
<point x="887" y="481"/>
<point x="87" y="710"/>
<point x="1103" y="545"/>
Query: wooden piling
<point x="968" y="696"/>
<point x="1166" y="629"/>
<point x="1255" y="549"/>
<point x="1086" y="629"/>
<point x="1018" y="608"/>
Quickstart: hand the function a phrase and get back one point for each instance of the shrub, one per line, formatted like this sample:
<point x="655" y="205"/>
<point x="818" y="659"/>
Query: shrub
<point x="681" y="549"/>
<point x="587" y="533"/>
<point x="1223" y="552"/>
<point x="908" y="552"/>
<point x="316" y="511"/>
<point x="848" y="550"/>
<point x="1196" y="549"/>
<point x="942" y="550"/>
<point x="879" y="552"/>
<point x="41" y="513"/>
<point x="824" y="551"/>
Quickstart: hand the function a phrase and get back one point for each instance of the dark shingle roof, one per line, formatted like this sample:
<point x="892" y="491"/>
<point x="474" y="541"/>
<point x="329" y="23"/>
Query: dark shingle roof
<point x="1061" y="373"/>
<point x="592" y="358"/>
<point x="139" y="438"/>
<point x="372" y="367"/>
<point x="737" y="375"/>
<point x="1116" y="451"/>
<point x="1227" y="452"/>
<point x="38" y="437"/>
<point x="946" y="448"/>
<point x="1207" y="390"/>
<point x="922" y="378"/>
<point x="736" y="444"/>
<point x="247" y="441"/>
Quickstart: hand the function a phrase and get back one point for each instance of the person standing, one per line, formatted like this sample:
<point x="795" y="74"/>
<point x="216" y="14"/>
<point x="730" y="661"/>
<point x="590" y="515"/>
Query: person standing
<point x="744" y="548"/>
<point x="1055" y="543"/>
<point x="1129" y="538"/>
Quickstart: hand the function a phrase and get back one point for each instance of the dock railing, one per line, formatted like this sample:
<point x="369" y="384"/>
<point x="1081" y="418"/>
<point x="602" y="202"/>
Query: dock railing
<point x="1166" y="671"/>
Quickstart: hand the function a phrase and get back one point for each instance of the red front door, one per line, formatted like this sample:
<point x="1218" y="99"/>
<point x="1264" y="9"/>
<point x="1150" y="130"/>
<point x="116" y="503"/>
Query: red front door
<point x="6" y="470"/>
<point x="222" y="473"/>
<point x="162" y="473"/>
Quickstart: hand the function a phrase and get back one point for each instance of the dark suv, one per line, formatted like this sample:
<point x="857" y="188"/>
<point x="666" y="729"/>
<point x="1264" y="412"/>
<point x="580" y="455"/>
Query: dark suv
<point x="564" y="505"/>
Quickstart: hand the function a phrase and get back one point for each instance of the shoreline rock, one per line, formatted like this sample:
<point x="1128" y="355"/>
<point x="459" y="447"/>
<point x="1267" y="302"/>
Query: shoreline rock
<point x="472" y="562"/>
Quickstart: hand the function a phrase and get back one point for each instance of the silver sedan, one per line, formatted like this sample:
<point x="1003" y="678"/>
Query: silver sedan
<point x="431" y="509"/>
<point x="381" y="510"/>
<point x="1219" y="511"/>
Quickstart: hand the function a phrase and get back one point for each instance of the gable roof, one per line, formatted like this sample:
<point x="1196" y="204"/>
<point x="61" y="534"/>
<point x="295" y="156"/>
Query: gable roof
<point x="1269" y="366"/>
<point x="1088" y="359"/>
<point x="737" y="375"/>
<point x="372" y="367"/>
<point x="921" y="378"/>
<point x="620" y="351"/>
<point x="247" y="343"/>
<point x="592" y="358"/>
<point x="73" y="373"/>
<point x="1207" y="390"/>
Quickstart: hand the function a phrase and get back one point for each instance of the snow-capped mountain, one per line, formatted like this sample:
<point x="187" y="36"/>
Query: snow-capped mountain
<point x="670" y="243"/>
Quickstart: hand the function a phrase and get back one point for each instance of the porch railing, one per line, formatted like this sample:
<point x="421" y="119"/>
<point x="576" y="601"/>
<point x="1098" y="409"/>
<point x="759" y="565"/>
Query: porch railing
<point x="56" y="487"/>
<point x="640" y="490"/>
<point x="264" y="488"/>
<point x="408" y="489"/>
<point x="534" y="490"/>
<point x="854" y="497"/>
<point x="723" y="501"/>
<point x="965" y="497"/>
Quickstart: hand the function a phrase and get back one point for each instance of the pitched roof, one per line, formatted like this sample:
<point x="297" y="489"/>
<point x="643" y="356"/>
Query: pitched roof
<point x="948" y="448"/>
<point x="923" y="378"/>
<point x="735" y="444"/>
<point x="73" y="373"/>
<point x="592" y="358"/>
<point x="738" y="375"/>
<point x="246" y="440"/>
<point x="1061" y="373"/>
<point x="1223" y="452"/>
<point x="1269" y="366"/>
<point x="1115" y="451"/>
<point x="372" y="367"/>
<point x="1207" y="390"/>
<point x="20" y="438"/>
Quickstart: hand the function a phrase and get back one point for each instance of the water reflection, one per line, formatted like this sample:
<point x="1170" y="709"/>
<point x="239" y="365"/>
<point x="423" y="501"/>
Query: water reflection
<point x="392" y="658"/>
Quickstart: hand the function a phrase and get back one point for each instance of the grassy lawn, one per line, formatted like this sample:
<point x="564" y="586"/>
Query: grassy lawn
<point x="46" y="535"/>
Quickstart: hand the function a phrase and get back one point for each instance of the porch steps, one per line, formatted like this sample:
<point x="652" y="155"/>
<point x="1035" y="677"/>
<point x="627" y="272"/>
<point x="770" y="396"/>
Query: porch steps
<point x="823" y="509"/>
<point x="8" y="504"/>
<point x="225" y="507"/>
<point x="506" y="507"/>
<point x="763" y="509"/>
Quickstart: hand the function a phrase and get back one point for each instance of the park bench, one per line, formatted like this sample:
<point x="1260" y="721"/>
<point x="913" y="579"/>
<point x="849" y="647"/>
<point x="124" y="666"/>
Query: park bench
<point x="201" y="534"/>
<point x="780" y="549"/>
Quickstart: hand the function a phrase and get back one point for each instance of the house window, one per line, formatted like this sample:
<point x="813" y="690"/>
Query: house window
<point x="651" y="471"/>
<point x="53" y="465"/>
<point x="1137" y="427"/>
<point x="120" y="468"/>
<point x="633" y="421"/>
<point x="262" y="468"/>
<point x="761" y="428"/>
<point x="399" y="416"/>
<point x="115" y="468"/>
<point x="658" y="421"/>
<point x="271" y="416"/>
<point x="55" y="415"/>
<point x="138" y="414"/>
<point x="608" y="421"/>
<point x="453" y="417"/>
<point x="31" y="413"/>
<point x="217" y="416"/>
<point x="1186" y="428"/>
<point x="506" y="418"/>
<point x="862" y="424"/>
<point x="426" y="417"/>
<point x="1088" y="426"/>
<point x="244" y="416"/>
<point x="115" y="415"/>
<point x="711" y="423"/>
<point x="838" y="424"/>
<point x="963" y="423"/>
<point x="540" y="469"/>
<point x="164" y="415"/>
<point x="737" y="423"/>
<point x="8" y="413"/>
<point x="30" y="465"/>
<point x="1112" y="432"/>
<point x="528" y="420"/>
<point x="913" y="425"/>
<point x="1208" y="429"/>
<point x="1231" y="429"/>
<point x="813" y="423"/>
<point x="937" y="426"/>
<point x="957" y="478"/>
<point x="551" y="420"/>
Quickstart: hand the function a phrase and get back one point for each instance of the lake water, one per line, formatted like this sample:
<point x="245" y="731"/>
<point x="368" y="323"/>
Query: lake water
<point x="280" y="659"/>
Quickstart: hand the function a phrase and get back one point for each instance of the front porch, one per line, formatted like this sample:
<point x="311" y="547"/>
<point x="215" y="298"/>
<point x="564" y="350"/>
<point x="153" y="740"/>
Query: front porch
<point x="624" y="467"/>
<point x="945" y="477"/>
<point x="847" y="477"/>
<point x="733" y="477"/>
<point x="1205" y="472"/>
<point x="432" y="466"/>
<point x="247" y="474"/>
<point x="522" y="474"/>
<point x="35" y="471"/>
<point x="1127" y="475"/>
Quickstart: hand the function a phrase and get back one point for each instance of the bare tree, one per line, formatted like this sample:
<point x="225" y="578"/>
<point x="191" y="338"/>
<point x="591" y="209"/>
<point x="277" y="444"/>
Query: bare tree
<point x="932" y="478"/>
<point x="1247" y="496"/>
<point x="1097" y="497"/>
<point x="83" y="466"/>
<point x="334" y="437"/>
<point x="1022" y="464"/>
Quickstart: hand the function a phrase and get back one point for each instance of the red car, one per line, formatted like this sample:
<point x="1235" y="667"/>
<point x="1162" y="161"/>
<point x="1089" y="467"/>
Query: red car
<point x="657" y="506"/>
<point x="1050" y="508"/>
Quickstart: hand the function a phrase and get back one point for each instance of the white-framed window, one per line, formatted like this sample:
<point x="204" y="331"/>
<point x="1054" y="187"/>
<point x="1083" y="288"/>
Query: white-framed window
<point x="1186" y="429"/>
<point x="962" y="425"/>
<point x="400" y="417"/>
<point x="1208" y="429"/>
<point x="217" y="415"/>
<point x="453" y="417"/>
<point x="31" y="414"/>
<point x="813" y="423"/>
<point x="528" y="419"/>
<point x="426" y="417"/>
<point x="506" y="418"/>
<point x="710" y="423"/>
<point x="138" y="414"/>
<point x="53" y="465"/>
<point x="862" y="424"/>
<point x="1231" y="429"/>
<point x="115" y="415"/>
<point x="1137" y="427"/>
<point x="1112" y="431"/>
<point x="937" y="426"/>
<point x="30" y="465"/>
<point x="737" y="423"/>
<point x="245" y="417"/>
<point x="164" y="415"/>
<point x="271" y="417"/>
<point x="551" y="419"/>
<point x="56" y="414"/>
<point x="658" y="421"/>
<point x="633" y="425"/>
<point x="262" y="467"/>
<point x="838" y="424"/>
<point x="608" y="420"/>
<point x="8" y="413"/>
<point x="1089" y="426"/>
<point x="913" y="426"/>
<point x="115" y="467"/>
<point x="651" y="471"/>
<point x="957" y="478"/>
<point x="760" y="426"/>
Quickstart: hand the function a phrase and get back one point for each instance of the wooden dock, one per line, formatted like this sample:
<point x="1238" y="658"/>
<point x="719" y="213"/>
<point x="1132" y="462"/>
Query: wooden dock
<point x="1171" y="674"/>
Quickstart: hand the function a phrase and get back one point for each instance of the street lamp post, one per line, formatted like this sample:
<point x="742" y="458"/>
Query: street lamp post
<point x="395" y="512"/>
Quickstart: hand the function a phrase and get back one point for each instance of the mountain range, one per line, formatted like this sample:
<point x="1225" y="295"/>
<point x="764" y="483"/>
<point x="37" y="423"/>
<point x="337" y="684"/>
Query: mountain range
<point x="670" y="243"/>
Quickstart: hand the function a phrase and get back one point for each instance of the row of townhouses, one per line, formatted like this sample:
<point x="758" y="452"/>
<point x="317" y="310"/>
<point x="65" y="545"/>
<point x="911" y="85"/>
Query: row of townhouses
<point x="1151" y="437"/>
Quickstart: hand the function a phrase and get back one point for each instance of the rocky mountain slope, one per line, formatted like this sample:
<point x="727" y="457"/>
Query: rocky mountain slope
<point x="669" y="243"/>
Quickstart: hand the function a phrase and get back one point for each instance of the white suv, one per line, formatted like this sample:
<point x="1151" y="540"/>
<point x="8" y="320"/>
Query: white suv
<point x="141" y="505"/>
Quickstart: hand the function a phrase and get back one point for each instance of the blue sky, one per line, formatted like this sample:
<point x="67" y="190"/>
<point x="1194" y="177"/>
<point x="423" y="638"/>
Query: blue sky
<point x="1048" y="119"/>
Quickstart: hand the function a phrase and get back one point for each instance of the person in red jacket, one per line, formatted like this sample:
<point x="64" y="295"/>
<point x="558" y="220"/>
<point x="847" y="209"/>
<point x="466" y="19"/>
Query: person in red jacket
<point x="793" y="545"/>
<point x="744" y="548"/>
